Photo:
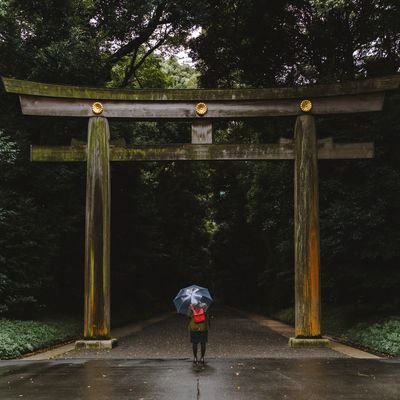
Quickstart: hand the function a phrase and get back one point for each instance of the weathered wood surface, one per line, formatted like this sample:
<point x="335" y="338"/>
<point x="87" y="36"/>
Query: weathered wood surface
<point x="97" y="233"/>
<point x="202" y="152"/>
<point x="202" y="132"/>
<point x="306" y="236"/>
<point x="58" y="153"/>
<point x="347" y="151"/>
<point x="283" y="151"/>
<point x="57" y="107"/>
<point x="347" y="88"/>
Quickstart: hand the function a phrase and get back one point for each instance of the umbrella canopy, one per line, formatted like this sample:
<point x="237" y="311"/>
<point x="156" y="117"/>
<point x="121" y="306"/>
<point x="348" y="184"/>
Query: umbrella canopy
<point x="192" y="295"/>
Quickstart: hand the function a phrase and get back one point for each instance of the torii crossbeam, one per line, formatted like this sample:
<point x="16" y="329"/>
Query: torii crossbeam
<point x="202" y="107"/>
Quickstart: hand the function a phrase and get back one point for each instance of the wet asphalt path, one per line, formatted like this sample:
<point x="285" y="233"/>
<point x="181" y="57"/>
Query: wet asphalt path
<point x="247" y="379"/>
<point x="245" y="362"/>
<point x="231" y="335"/>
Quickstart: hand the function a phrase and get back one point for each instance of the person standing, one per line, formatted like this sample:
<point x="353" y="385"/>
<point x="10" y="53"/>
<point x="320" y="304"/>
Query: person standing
<point x="198" y="328"/>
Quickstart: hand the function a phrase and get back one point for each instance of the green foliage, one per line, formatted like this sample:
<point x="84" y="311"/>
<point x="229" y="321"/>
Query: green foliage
<point x="20" y="337"/>
<point x="381" y="337"/>
<point x="244" y="43"/>
<point x="16" y="289"/>
<point x="343" y="40"/>
<point x="42" y="206"/>
<point x="179" y="76"/>
<point x="30" y="244"/>
<point x="156" y="72"/>
<point x="325" y="6"/>
<point x="8" y="149"/>
<point x="373" y="327"/>
<point x="229" y="225"/>
<point x="78" y="41"/>
<point x="296" y="42"/>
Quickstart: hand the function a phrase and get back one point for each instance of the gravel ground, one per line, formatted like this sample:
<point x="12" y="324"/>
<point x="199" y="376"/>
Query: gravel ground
<point x="231" y="335"/>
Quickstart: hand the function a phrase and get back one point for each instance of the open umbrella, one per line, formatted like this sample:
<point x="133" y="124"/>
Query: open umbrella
<point x="192" y="295"/>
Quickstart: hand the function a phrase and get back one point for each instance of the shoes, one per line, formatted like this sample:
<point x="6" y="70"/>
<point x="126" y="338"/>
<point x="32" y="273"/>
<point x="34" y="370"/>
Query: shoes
<point x="195" y="361"/>
<point x="202" y="360"/>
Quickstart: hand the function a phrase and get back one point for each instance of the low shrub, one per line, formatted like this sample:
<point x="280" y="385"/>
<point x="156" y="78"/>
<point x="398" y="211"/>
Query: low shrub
<point x="381" y="337"/>
<point x="21" y="337"/>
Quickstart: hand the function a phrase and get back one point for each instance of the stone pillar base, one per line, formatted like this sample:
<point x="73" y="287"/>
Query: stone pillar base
<point x="304" y="342"/>
<point x="96" y="344"/>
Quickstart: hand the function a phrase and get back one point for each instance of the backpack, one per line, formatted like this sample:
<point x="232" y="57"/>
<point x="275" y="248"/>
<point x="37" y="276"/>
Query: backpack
<point x="198" y="315"/>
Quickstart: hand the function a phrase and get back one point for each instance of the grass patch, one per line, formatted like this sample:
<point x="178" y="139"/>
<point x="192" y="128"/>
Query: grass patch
<point x="20" y="337"/>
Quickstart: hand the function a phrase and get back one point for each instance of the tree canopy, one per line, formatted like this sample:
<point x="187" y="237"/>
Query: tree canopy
<point x="225" y="225"/>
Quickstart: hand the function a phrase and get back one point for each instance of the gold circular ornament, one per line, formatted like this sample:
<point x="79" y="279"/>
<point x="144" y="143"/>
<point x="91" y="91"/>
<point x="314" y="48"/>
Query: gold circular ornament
<point x="306" y="105"/>
<point x="201" y="109"/>
<point x="97" y="107"/>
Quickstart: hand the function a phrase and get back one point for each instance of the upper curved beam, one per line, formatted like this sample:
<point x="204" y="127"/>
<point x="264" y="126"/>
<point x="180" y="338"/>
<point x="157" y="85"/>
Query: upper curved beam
<point x="374" y="85"/>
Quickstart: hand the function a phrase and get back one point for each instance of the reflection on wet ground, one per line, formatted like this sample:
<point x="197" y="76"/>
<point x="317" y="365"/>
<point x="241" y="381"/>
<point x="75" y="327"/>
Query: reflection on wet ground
<point x="244" y="361"/>
<point x="175" y="379"/>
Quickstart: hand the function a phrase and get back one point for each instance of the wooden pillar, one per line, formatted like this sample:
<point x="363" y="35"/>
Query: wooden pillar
<point x="306" y="225"/>
<point x="97" y="234"/>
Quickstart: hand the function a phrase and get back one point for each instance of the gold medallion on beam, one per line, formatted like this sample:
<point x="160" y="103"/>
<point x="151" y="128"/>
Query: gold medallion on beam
<point x="201" y="109"/>
<point x="97" y="108"/>
<point x="306" y="105"/>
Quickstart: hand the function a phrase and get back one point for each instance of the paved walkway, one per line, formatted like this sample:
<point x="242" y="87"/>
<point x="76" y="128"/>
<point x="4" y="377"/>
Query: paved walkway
<point x="247" y="359"/>
<point x="232" y="335"/>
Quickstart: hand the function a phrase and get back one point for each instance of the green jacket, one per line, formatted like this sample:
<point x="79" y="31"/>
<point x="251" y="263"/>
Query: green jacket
<point x="198" y="326"/>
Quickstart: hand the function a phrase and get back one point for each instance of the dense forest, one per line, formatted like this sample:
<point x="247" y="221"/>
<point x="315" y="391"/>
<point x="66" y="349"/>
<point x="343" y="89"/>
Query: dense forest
<point x="225" y="225"/>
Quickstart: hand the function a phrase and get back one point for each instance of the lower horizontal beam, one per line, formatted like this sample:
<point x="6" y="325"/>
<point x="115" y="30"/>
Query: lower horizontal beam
<point x="345" y="151"/>
<point x="58" y="153"/>
<point x="203" y="152"/>
<point x="170" y="152"/>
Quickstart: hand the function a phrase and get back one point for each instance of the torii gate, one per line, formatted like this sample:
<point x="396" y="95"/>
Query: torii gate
<point x="202" y="107"/>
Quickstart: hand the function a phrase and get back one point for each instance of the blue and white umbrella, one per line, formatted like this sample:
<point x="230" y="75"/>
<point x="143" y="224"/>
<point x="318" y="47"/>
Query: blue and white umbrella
<point x="192" y="295"/>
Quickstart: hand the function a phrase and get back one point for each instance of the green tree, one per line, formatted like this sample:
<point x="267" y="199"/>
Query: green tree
<point x="342" y="40"/>
<point x="244" y="42"/>
<point x="176" y="222"/>
<point x="294" y="43"/>
<point x="82" y="42"/>
<point x="79" y="41"/>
